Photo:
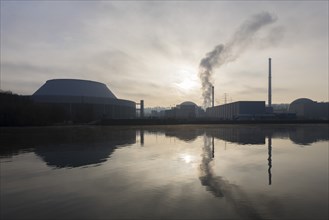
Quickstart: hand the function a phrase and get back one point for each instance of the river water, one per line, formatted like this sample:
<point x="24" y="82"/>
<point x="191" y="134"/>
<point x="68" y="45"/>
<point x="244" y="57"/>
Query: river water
<point x="165" y="172"/>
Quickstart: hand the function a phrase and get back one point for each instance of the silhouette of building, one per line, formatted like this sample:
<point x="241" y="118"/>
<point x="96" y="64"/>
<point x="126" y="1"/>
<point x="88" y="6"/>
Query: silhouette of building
<point x="308" y="109"/>
<point x="186" y="110"/>
<point x="238" y="110"/>
<point x="84" y="100"/>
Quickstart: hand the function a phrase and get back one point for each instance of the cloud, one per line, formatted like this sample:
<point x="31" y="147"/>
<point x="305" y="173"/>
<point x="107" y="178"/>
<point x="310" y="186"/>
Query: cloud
<point x="143" y="41"/>
<point x="21" y="77"/>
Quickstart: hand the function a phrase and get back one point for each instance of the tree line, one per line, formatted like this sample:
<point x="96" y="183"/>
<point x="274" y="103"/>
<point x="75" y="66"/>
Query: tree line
<point x="19" y="110"/>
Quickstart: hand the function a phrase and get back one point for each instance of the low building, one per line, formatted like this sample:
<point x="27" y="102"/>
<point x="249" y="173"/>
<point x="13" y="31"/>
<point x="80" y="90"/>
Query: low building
<point x="308" y="109"/>
<point x="238" y="110"/>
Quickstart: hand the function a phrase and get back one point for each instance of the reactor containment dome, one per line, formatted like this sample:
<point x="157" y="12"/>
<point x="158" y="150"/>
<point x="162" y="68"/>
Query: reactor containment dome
<point x="74" y="87"/>
<point x="306" y="108"/>
<point x="83" y="100"/>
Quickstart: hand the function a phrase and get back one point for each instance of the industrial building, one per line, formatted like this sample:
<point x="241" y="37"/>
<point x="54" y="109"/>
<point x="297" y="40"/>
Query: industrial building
<point x="237" y="110"/>
<point x="243" y="110"/>
<point x="186" y="110"/>
<point x="83" y="100"/>
<point x="308" y="109"/>
<point x="246" y="110"/>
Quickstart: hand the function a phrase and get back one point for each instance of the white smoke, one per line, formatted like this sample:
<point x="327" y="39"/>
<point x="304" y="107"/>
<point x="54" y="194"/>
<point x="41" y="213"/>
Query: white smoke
<point x="241" y="40"/>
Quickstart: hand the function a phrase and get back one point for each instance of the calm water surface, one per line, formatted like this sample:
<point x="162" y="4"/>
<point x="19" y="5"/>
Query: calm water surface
<point x="165" y="172"/>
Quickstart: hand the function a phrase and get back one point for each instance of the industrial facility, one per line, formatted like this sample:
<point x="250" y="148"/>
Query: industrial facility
<point x="257" y="110"/>
<point x="83" y="100"/>
<point x="186" y="110"/>
<point x="67" y="101"/>
<point x="308" y="109"/>
<point x="243" y="110"/>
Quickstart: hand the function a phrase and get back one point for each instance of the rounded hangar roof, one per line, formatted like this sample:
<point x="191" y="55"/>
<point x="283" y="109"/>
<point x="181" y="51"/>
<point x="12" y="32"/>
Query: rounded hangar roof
<point x="188" y="104"/>
<point x="74" y="87"/>
<point x="302" y="101"/>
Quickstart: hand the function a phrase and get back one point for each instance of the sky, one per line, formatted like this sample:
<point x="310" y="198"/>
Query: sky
<point x="152" y="50"/>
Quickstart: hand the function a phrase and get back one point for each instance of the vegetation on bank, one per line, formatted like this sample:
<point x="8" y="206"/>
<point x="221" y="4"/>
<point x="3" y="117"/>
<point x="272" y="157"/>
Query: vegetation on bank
<point x="18" y="110"/>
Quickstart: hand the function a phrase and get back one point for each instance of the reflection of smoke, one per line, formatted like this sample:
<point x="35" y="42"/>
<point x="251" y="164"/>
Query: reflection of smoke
<point x="206" y="176"/>
<point x="222" y="188"/>
<point x="229" y="52"/>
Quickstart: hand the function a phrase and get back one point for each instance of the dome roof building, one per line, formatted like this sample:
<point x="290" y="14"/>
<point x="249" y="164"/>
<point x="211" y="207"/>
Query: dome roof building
<point x="301" y="101"/>
<point x="185" y="110"/>
<point x="187" y="103"/>
<point x="308" y="109"/>
<point x="74" y="87"/>
<point x="83" y="100"/>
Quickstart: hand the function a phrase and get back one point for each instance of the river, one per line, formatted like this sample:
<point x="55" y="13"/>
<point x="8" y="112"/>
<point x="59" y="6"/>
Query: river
<point x="165" y="172"/>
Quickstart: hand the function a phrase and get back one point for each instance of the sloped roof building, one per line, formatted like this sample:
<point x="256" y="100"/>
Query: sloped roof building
<point x="84" y="100"/>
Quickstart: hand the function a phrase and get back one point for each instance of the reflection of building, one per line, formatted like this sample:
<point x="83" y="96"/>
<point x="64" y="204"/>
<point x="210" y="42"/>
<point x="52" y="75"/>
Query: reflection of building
<point x="249" y="134"/>
<point x="91" y="150"/>
<point x="83" y="100"/>
<point x="186" y="110"/>
<point x="299" y="134"/>
<point x="309" y="134"/>
<point x="66" y="146"/>
<point x="238" y="110"/>
<point x="240" y="135"/>
<point x="309" y="109"/>
<point x="185" y="134"/>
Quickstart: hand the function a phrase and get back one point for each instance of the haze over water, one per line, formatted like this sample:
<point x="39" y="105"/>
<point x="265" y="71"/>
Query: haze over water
<point x="165" y="172"/>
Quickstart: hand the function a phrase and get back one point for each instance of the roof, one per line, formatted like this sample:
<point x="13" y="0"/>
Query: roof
<point x="302" y="101"/>
<point x="74" y="87"/>
<point x="188" y="104"/>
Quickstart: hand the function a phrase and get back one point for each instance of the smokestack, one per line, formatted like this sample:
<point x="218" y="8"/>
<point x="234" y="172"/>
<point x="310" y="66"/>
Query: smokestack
<point x="269" y="83"/>
<point x="213" y="95"/>
<point x="142" y="109"/>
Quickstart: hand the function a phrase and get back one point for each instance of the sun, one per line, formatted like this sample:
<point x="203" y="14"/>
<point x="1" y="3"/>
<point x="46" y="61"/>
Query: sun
<point x="188" y="80"/>
<point x="186" y="85"/>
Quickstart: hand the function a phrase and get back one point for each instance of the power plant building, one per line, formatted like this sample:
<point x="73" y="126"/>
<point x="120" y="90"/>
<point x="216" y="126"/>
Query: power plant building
<point x="308" y="109"/>
<point x="237" y="110"/>
<point x="186" y="110"/>
<point x="83" y="100"/>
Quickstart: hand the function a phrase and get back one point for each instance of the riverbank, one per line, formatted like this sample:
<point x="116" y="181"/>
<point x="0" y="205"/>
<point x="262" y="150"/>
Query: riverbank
<point x="202" y="121"/>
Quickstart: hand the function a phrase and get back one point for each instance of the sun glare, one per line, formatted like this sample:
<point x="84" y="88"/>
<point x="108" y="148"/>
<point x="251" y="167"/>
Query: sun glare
<point x="186" y="158"/>
<point x="188" y="80"/>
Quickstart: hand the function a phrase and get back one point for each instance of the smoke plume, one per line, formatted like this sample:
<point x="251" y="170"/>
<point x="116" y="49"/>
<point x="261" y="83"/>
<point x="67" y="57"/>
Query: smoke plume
<point x="229" y="52"/>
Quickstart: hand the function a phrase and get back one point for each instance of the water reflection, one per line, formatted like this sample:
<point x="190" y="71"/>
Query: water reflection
<point x="269" y="160"/>
<point x="81" y="146"/>
<point x="68" y="147"/>
<point x="309" y="134"/>
<point x="141" y="137"/>
<point x="176" y="178"/>
<point x="223" y="188"/>
<point x="187" y="134"/>
<point x="249" y="134"/>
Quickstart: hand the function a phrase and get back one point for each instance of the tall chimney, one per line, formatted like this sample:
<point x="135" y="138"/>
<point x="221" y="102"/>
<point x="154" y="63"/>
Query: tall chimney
<point x="142" y="109"/>
<point x="269" y="83"/>
<point x="213" y="96"/>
